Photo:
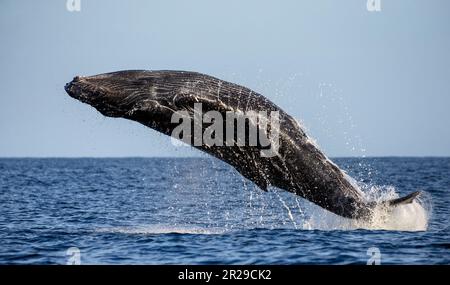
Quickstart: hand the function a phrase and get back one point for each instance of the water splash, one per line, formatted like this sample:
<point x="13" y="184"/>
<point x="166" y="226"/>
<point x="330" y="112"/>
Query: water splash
<point x="409" y="217"/>
<point x="289" y="212"/>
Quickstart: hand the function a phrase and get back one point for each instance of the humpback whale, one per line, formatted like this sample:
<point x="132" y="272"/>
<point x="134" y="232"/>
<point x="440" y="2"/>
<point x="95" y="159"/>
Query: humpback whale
<point x="153" y="97"/>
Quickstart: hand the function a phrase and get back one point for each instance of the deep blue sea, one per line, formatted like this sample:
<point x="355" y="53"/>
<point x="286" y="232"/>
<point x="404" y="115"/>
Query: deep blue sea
<point x="201" y="211"/>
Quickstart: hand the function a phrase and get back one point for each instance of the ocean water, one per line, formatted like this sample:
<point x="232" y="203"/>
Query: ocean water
<point x="201" y="211"/>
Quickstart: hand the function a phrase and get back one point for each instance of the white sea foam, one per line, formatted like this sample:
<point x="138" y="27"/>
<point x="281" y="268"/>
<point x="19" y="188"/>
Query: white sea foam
<point x="408" y="217"/>
<point x="160" y="229"/>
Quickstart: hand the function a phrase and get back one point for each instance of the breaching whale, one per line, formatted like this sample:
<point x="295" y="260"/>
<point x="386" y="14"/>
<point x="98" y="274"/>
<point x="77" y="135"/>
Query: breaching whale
<point x="153" y="97"/>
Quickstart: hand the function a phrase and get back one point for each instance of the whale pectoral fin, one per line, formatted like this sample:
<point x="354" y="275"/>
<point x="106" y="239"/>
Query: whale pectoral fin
<point x="404" y="200"/>
<point x="262" y="184"/>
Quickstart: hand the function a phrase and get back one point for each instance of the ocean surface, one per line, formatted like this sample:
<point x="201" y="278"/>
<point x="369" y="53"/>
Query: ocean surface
<point x="201" y="211"/>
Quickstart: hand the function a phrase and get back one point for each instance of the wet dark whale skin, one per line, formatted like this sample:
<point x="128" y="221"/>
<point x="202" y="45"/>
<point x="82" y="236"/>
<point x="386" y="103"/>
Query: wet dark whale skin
<point x="151" y="97"/>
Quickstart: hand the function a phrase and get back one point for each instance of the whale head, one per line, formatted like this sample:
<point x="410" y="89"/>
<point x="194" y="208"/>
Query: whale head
<point x="112" y="94"/>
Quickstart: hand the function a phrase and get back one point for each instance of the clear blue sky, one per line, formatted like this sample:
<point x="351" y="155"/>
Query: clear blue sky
<point x="363" y="83"/>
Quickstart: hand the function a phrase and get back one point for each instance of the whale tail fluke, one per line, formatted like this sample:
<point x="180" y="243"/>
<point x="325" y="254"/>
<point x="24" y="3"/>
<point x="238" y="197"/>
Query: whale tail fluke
<point x="404" y="200"/>
<point x="387" y="206"/>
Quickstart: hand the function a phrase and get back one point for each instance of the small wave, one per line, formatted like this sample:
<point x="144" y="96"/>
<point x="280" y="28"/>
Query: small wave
<point x="161" y="229"/>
